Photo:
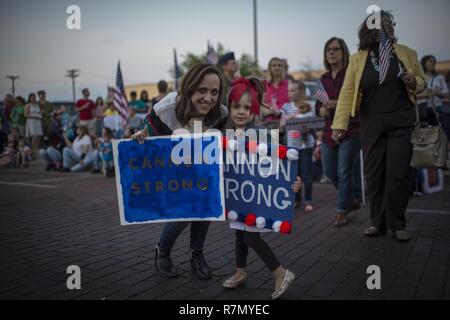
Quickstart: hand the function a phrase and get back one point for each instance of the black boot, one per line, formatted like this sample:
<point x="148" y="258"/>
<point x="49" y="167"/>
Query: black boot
<point x="199" y="265"/>
<point x="164" y="264"/>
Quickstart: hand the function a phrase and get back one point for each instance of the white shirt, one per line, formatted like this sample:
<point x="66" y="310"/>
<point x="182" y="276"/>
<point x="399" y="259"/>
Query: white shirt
<point x="296" y="139"/>
<point x="79" y="145"/>
<point x="437" y="82"/>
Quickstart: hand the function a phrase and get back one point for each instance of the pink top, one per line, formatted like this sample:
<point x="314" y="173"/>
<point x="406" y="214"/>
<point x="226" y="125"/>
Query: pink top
<point x="278" y="94"/>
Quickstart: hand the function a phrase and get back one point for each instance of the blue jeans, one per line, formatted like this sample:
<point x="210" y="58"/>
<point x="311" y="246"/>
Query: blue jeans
<point x="50" y="155"/>
<point x="305" y="171"/>
<point x="357" y="183"/>
<point x="69" y="156"/>
<point x="98" y="159"/>
<point x="339" y="167"/>
<point x="172" y="230"/>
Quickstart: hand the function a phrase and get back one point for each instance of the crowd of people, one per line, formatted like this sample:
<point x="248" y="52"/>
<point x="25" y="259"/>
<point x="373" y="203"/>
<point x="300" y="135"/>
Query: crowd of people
<point x="68" y="141"/>
<point x="363" y="112"/>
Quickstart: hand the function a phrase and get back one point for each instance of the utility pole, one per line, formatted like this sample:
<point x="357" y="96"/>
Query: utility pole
<point x="255" y="32"/>
<point x="72" y="74"/>
<point x="13" y="78"/>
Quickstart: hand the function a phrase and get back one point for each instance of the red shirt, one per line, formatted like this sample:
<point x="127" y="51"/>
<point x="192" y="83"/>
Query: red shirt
<point x="333" y="88"/>
<point x="86" y="114"/>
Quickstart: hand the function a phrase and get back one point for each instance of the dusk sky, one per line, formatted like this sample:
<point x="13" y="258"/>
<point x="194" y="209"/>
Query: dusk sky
<point x="37" y="46"/>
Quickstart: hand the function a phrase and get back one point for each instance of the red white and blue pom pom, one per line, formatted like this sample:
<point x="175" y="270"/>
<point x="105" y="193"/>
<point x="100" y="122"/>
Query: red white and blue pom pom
<point x="263" y="149"/>
<point x="260" y="222"/>
<point x="232" y="215"/>
<point x="276" y="226"/>
<point x="285" y="227"/>
<point x="232" y="145"/>
<point x="250" y="220"/>
<point x="292" y="154"/>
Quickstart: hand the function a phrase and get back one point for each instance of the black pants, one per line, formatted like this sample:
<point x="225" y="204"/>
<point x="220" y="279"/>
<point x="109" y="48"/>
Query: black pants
<point x="387" y="150"/>
<point x="244" y="240"/>
<point x="172" y="230"/>
<point x="432" y="120"/>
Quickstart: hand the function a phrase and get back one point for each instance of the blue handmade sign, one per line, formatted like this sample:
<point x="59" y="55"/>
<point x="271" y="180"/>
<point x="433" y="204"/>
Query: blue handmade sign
<point x="153" y="186"/>
<point x="258" y="188"/>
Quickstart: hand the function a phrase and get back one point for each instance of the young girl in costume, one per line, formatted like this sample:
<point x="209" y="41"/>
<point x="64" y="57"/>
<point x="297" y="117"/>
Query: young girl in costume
<point x="244" y="103"/>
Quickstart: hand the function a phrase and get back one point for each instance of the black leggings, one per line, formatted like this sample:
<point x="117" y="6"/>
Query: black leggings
<point x="244" y="240"/>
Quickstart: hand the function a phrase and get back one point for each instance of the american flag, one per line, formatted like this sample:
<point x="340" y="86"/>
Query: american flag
<point x="385" y="50"/>
<point x="211" y="55"/>
<point x="176" y="70"/>
<point x="322" y="96"/>
<point x="120" y="98"/>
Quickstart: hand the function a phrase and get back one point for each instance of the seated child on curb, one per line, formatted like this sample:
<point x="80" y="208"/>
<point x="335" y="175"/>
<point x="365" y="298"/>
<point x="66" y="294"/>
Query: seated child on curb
<point x="104" y="154"/>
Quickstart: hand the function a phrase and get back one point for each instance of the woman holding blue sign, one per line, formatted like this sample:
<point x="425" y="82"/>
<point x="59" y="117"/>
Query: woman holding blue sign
<point x="198" y="99"/>
<point x="244" y="102"/>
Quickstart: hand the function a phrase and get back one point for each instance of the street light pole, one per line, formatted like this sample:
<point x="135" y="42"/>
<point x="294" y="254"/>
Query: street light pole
<point x="255" y="32"/>
<point x="73" y="73"/>
<point x="13" y="78"/>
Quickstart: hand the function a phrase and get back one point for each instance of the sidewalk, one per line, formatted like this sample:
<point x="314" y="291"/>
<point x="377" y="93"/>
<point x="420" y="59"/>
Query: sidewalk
<point x="51" y="220"/>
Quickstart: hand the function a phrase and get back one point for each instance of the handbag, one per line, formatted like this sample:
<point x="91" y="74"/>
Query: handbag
<point x="429" y="144"/>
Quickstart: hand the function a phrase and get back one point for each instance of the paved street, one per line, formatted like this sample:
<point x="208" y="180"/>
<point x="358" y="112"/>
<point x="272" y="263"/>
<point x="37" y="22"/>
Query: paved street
<point x="51" y="220"/>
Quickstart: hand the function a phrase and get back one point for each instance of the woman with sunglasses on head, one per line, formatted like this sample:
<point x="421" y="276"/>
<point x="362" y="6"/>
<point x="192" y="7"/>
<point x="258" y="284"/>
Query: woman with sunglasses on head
<point x="382" y="84"/>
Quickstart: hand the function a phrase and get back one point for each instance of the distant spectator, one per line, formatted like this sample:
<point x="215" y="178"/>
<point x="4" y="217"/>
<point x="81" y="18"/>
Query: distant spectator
<point x="110" y="110"/>
<point x="15" y="133"/>
<point x="137" y="105"/>
<point x="302" y="139"/>
<point x="86" y="109"/>
<point x="3" y="128"/>
<point x="287" y="76"/>
<point x="18" y="119"/>
<point x="52" y="154"/>
<point x="8" y="105"/>
<point x="277" y="86"/>
<point x="103" y="154"/>
<point x="65" y="122"/>
<point x="33" y="129"/>
<point x="144" y="98"/>
<point x="436" y="89"/>
<point x="229" y="67"/>
<point x="46" y="112"/>
<point x="23" y="156"/>
<point x="162" y="92"/>
<point x="129" y="131"/>
<point x="99" y="108"/>
<point x="78" y="155"/>
<point x="276" y="92"/>
<point x="8" y="156"/>
<point x="134" y="121"/>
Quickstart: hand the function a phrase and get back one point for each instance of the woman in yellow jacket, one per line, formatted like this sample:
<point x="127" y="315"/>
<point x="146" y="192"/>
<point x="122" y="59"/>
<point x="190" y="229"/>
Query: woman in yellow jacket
<point x="385" y="104"/>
